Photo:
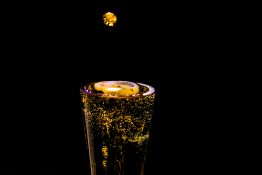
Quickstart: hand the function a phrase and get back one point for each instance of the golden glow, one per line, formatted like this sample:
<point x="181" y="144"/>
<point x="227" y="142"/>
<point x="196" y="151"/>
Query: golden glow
<point x="120" y="88"/>
<point x="109" y="19"/>
<point x="113" y="89"/>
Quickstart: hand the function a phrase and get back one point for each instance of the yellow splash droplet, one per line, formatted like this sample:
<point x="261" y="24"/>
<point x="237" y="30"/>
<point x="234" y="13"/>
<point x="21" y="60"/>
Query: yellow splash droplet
<point x="109" y="19"/>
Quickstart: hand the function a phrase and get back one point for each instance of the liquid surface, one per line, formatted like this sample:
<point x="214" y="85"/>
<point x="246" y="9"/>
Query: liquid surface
<point x="117" y="88"/>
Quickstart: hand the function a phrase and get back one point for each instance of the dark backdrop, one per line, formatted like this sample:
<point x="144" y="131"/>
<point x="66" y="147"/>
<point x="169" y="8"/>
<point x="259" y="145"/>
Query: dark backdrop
<point x="53" y="49"/>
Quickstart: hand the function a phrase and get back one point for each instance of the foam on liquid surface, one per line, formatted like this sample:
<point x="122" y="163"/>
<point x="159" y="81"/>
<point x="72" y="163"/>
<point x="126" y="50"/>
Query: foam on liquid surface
<point x="117" y="88"/>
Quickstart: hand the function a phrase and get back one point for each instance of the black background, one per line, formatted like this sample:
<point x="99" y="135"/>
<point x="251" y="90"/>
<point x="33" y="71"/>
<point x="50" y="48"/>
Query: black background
<point x="54" y="48"/>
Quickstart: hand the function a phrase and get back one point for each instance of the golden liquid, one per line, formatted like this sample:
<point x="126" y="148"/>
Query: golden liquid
<point x="117" y="130"/>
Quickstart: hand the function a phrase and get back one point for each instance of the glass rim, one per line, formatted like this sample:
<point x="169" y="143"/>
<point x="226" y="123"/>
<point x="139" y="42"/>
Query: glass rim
<point x="151" y="91"/>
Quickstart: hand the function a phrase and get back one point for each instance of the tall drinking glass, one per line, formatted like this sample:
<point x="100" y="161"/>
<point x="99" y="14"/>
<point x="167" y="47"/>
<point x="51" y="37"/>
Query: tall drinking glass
<point x="117" y="117"/>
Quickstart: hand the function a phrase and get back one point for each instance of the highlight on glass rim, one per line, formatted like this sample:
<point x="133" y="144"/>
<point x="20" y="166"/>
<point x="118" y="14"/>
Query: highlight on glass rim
<point x="117" y="117"/>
